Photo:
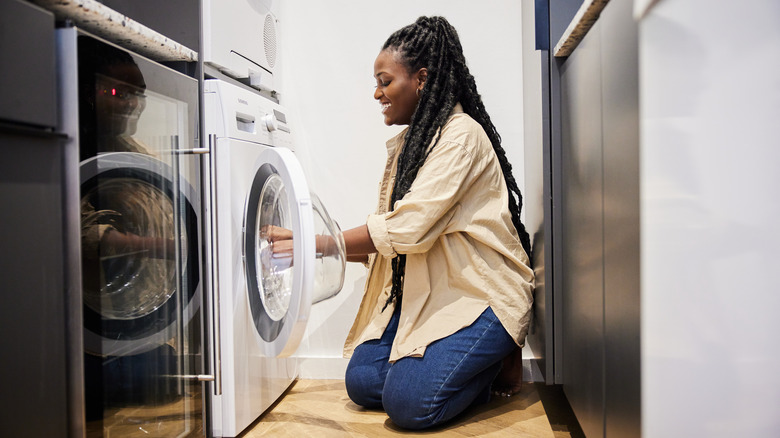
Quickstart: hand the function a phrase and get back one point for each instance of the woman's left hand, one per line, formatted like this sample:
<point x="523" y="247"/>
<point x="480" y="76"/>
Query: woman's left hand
<point x="272" y="233"/>
<point x="280" y="241"/>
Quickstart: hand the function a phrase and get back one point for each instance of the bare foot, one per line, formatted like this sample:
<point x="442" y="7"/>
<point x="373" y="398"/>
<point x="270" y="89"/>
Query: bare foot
<point x="510" y="379"/>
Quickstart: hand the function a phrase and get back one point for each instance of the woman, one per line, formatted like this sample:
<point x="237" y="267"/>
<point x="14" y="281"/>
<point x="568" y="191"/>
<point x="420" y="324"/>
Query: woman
<point x="449" y="289"/>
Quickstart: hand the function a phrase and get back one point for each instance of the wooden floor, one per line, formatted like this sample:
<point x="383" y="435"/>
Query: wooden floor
<point x="321" y="408"/>
<point x="181" y="417"/>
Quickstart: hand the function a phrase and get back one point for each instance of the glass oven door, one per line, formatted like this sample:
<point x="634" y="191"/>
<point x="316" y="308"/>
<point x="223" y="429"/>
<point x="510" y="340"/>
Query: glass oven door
<point x="140" y="238"/>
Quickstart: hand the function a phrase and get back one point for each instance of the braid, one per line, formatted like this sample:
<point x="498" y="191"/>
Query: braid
<point x="433" y="43"/>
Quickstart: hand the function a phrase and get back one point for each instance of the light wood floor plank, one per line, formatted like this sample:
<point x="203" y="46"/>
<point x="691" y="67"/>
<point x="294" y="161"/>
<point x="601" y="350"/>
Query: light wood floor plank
<point x="321" y="408"/>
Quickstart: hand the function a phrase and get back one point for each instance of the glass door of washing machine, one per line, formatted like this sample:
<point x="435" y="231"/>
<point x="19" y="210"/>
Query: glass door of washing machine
<point x="140" y="238"/>
<point x="294" y="252"/>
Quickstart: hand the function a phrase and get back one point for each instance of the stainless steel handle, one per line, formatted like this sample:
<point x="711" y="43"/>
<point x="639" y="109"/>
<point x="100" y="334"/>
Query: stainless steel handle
<point x="215" y="307"/>
<point x="24" y="130"/>
<point x="198" y="377"/>
<point x="193" y="151"/>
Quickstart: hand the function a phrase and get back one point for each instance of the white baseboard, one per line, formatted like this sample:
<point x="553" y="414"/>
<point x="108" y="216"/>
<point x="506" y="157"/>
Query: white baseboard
<point x="531" y="371"/>
<point x="322" y="367"/>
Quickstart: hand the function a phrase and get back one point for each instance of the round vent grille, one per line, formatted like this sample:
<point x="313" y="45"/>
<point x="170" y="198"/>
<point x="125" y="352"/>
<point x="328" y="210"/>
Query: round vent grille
<point x="269" y="40"/>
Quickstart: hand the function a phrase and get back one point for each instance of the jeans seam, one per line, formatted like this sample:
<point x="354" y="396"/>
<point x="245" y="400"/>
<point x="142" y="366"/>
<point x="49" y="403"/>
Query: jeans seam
<point x="444" y="382"/>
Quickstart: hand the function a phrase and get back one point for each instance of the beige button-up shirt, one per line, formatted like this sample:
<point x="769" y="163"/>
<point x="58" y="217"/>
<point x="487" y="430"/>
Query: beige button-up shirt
<point x="462" y="251"/>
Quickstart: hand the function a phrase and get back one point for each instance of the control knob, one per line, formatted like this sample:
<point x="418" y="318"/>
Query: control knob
<point x="270" y="122"/>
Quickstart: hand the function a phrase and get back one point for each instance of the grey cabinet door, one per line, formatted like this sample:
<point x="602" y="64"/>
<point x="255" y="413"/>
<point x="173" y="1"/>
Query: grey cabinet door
<point x="598" y="260"/>
<point x="32" y="286"/>
<point x="620" y="121"/>
<point x="582" y="316"/>
<point x="29" y="89"/>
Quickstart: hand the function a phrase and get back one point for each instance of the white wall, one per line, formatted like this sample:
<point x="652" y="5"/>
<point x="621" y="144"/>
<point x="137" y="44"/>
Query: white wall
<point x="326" y="71"/>
<point x="533" y="193"/>
<point x="710" y="265"/>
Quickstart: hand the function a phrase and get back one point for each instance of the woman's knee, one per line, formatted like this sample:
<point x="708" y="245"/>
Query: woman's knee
<point x="408" y="408"/>
<point x="406" y="415"/>
<point x="362" y="388"/>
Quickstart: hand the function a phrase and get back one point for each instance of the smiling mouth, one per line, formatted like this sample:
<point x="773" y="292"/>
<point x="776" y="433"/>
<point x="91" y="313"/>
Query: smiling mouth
<point x="385" y="106"/>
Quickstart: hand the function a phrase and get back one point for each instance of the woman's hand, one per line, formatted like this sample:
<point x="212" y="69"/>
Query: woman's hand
<point x="272" y="233"/>
<point x="278" y="255"/>
<point x="280" y="241"/>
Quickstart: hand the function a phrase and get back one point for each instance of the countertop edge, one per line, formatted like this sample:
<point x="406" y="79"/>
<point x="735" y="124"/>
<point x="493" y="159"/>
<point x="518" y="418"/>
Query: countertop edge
<point x="117" y="28"/>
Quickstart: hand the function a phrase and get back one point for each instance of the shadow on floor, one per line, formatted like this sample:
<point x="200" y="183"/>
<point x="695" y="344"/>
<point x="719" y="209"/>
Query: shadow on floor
<point x="559" y="412"/>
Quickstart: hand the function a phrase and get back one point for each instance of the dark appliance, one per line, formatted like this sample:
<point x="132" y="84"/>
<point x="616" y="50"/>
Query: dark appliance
<point x="140" y="237"/>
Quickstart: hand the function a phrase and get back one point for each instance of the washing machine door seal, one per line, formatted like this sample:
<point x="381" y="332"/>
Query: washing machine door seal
<point x="105" y="332"/>
<point x="279" y="287"/>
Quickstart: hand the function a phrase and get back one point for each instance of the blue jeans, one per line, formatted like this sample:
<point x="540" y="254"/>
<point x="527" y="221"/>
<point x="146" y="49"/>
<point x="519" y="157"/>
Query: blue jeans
<point x="420" y="392"/>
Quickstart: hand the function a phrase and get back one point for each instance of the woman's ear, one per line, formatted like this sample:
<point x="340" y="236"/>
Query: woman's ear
<point x="422" y="76"/>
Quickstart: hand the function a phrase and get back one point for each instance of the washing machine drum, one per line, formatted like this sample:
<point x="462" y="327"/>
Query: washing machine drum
<point x="294" y="254"/>
<point x="140" y="268"/>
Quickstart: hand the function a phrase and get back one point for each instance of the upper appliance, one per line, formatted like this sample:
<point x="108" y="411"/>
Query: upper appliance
<point x="261" y="296"/>
<point x="140" y="237"/>
<point x="240" y="40"/>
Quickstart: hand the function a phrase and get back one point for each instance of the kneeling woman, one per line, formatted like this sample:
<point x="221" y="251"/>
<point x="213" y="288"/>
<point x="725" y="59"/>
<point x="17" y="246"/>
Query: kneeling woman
<point x="449" y="290"/>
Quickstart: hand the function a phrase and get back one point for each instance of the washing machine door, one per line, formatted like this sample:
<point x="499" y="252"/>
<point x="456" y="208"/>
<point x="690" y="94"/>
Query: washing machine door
<point x="281" y="256"/>
<point x="140" y="264"/>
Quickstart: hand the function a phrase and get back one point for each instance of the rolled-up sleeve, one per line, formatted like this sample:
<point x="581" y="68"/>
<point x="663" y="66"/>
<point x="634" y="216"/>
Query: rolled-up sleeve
<point x="423" y="214"/>
<point x="377" y="229"/>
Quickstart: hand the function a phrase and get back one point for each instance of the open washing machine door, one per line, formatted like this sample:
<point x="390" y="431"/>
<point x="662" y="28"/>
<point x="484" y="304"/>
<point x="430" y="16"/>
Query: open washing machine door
<point x="294" y="253"/>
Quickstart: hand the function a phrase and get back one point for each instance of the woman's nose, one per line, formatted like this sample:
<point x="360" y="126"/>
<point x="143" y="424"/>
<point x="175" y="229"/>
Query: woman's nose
<point x="377" y="93"/>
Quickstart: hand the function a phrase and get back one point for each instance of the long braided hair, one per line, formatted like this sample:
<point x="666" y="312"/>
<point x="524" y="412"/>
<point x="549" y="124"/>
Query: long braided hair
<point x="432" y="43"/>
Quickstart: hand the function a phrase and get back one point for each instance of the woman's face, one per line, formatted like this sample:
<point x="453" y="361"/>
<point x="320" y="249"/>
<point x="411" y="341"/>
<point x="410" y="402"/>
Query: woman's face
<point x="396" y="88"/>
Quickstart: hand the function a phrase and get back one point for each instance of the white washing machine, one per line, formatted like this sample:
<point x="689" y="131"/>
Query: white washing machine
<point x="261" y="300"/>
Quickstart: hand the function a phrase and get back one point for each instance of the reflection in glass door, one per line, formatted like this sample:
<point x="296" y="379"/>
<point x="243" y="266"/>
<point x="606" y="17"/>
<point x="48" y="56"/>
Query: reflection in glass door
<point x="140" y="222"/>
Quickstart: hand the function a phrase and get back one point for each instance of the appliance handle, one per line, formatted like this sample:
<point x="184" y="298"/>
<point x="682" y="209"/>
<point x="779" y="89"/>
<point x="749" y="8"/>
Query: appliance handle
<point x="215" y="305"/>
<point x="196" y="377"/>
<point x="193" y="151"/>
<point x="14" y="129"/>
